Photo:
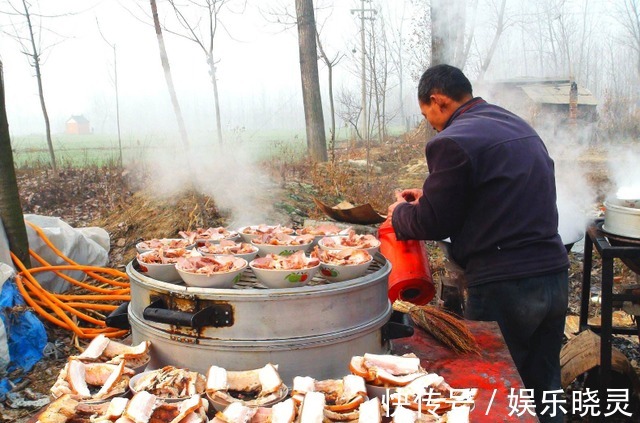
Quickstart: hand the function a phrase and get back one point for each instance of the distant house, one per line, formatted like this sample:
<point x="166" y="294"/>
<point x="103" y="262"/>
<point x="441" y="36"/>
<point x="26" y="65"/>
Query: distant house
<point x="77" y="125"/>
<point x="541" y="100"/>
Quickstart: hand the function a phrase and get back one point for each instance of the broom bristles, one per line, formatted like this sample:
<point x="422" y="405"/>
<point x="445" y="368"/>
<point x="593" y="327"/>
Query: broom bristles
<point x="442" y="325"/>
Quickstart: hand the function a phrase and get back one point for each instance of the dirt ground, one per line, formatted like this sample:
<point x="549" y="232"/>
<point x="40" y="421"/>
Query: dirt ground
<point x="116" y="200"/>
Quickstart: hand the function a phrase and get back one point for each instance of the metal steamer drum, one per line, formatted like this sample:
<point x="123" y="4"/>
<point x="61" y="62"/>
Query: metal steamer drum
<point x="621" y="219"/>
<point x="308" y="331"/>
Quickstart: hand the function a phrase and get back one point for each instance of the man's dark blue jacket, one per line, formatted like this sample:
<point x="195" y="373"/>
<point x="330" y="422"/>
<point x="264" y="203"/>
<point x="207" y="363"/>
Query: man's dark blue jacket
<point x="491" y="189"/>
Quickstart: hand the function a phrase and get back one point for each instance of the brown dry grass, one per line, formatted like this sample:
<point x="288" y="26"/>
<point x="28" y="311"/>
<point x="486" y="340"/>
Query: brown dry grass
<point x="145" y="217"/>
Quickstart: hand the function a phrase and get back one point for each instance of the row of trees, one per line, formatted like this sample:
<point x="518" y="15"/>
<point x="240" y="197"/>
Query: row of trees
<point x="488" y="38"/>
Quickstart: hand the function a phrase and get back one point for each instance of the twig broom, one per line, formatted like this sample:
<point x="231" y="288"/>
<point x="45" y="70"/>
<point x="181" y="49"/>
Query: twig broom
<point x="442" y="325"/>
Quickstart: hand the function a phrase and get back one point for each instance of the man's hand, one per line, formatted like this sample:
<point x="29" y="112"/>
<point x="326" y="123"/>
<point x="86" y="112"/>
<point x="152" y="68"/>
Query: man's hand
<point x="404" y="196"/>
<point x="411" y="195"/>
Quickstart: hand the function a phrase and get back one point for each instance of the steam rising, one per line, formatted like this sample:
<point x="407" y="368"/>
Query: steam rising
<point x="231" y="176"/>
<point x="575" y="197"/>
<point x="624" y="168"/>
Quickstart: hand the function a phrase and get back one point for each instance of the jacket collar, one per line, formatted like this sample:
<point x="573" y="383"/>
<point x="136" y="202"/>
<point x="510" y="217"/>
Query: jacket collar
<point x="463" y="109"/>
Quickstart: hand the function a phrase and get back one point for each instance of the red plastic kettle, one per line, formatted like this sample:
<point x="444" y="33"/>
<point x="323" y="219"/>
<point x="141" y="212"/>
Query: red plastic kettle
<point x="410" y="278"/>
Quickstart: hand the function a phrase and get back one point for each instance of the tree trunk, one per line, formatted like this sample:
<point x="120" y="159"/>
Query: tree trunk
<point x="167" y="75"/>
<point x="442" y="33"/>
<point x="10" y="209"/>
<point x="330" y="64"/>
<point x="214" y="82"/>
<point x="472" y="29"/>
<point x="332" y="109"/>
<point x="314" y="118"/>
<point x="115" y="73"/>
<point x="494" y="43"/>
<point x="36" y="64"/>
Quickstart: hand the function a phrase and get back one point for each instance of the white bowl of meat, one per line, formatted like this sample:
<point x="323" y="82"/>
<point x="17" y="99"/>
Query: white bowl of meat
<point x="320" y="231"/>
<point x="202" y="235"/>
<point x="362" y="242"/>
<point x="225" y="247"/>
<point x="211" y="272"/>
<point x="342" y="265"/>
<point x="160" y="264"/>
<point x="282" y="244"/>
<point x="171" y="243"/>
<point x="274" y="271"/>
<point x="248" y="233"/>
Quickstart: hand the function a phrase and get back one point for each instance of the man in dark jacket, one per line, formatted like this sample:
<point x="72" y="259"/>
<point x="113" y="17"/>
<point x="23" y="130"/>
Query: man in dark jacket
<point x="491" y="189"/>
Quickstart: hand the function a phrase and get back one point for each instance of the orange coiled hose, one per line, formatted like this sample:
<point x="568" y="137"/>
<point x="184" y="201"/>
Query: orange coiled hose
<point x="65" y="310"/>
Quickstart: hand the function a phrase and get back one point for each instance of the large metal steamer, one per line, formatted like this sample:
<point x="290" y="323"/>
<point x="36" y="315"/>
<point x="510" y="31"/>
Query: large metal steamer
<point x="308" y="331"/>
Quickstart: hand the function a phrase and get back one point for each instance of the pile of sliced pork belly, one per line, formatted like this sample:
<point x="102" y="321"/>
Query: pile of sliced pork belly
<point x="92" y="388"/>
<point x="414" y="394"/>
<point x="101" y="371"/>
<point x="313" y="401"/>
<point x="252" y="388"/>
<point x="143" y="407"/>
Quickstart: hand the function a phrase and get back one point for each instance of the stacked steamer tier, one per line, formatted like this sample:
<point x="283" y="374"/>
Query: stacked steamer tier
<point x="309" y="330"/>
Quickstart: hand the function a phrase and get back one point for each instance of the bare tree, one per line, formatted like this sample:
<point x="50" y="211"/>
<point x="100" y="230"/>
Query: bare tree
<point x="350" y="110"/>
<point x="556" y="30"/>
<point x="330" y="64"/>
<point x="378" y="82"/>
<point x="167" y="74"/>
<point x="33" y="49"/>
<point x="281" y="15"/>
<point x="500" y="26"/>
<point x="10" y="210"/>
<point x="396" y="56"/>
<point x="115" y="83"/>
<point x="314" y="118"/>
<point x="204" y="39"/>
<point x="629" y="13"/>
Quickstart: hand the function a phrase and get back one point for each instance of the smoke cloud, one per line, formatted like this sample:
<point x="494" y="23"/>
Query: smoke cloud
<point x="231" y="175"/>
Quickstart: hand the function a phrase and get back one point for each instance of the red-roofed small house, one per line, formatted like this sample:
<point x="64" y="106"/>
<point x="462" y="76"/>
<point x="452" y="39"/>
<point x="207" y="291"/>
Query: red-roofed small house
<point x="77" y="125"/>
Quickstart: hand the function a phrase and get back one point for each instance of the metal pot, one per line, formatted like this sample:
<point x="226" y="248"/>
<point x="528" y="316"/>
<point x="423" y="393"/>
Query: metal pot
<point x="308" y="331"/>
<point x="261" y="314"/>
<point x="322" y="357"/>
<point x="621" y="220"/>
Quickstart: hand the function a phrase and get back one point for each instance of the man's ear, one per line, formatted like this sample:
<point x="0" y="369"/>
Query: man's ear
<point x="441" y="100"/>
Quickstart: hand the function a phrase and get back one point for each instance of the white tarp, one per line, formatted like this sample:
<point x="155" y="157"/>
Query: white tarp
<point x="5" y="257"/>
<point x="87" y="246"/>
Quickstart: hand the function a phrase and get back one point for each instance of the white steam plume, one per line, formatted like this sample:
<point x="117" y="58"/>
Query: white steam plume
<point x="575" y="196"/>
<point x="624" y="170"/>
<point x="231" y="176"/>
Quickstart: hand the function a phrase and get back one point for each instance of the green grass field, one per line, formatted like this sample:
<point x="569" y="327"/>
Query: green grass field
<point x="101" y="149"/>
<point x="95" y="149"/>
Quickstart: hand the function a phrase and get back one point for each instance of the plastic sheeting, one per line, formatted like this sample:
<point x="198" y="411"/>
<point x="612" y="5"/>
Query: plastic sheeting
<point x="24" y="332"/>
<point x="88" y="246"/>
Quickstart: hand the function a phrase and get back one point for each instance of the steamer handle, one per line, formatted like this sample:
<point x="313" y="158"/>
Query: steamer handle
<point x="216" y="316"/>
<point x="119" y="318"/>
<point x="399" y="326"/>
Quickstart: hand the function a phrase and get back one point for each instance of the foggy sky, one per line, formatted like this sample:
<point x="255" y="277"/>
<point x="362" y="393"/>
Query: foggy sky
<point x="258" y="69"/>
